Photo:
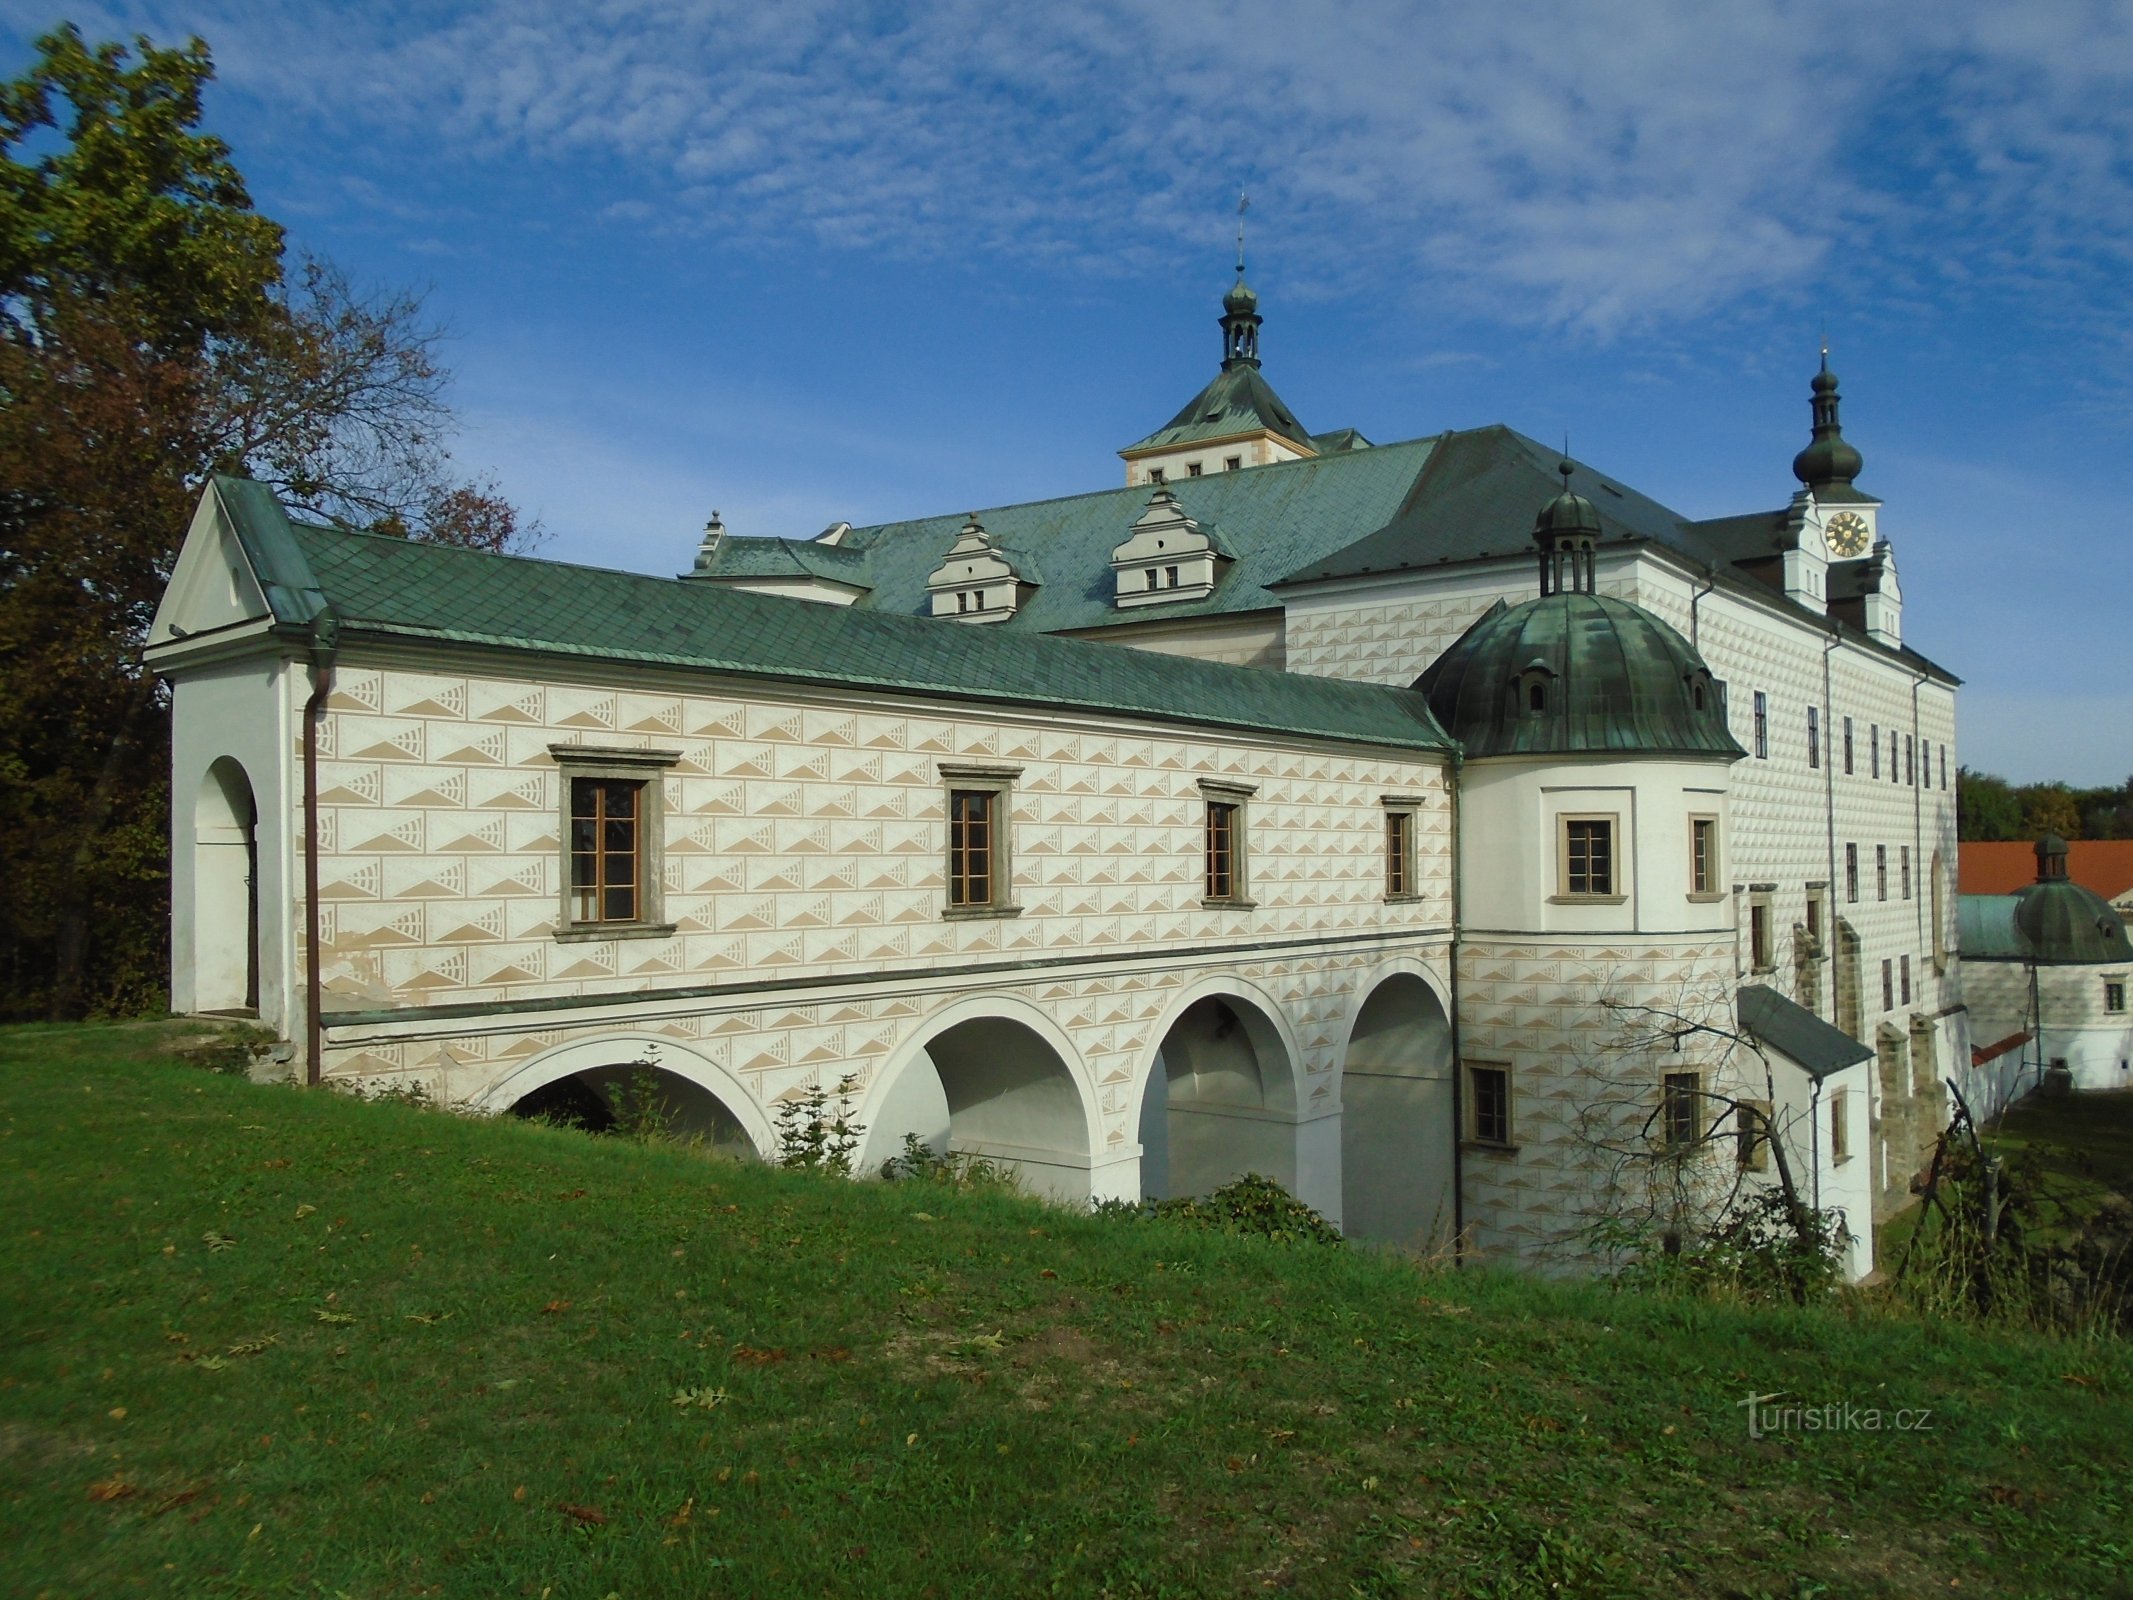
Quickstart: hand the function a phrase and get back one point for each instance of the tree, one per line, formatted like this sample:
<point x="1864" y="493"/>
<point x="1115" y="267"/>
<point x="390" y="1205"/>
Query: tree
<point x="1985" y="807"/>
<point x="1695" y="1184"/>
<point x="148" y="337"/>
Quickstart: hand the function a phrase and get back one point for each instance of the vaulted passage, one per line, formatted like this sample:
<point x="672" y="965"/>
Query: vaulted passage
<point x="990" y="1086"/>
<point x="225" y="891"/>
<point x="1396" y="1119"/>
<point x="1221" y="1102"/>
<point x="632" y="1095"/>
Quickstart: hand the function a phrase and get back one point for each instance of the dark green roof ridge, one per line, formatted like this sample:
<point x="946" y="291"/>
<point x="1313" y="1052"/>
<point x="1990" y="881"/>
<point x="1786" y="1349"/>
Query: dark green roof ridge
<point x="382" y="585"/>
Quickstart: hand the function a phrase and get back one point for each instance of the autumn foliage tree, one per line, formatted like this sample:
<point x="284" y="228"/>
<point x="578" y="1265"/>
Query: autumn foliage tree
<point x="149" y="335"/>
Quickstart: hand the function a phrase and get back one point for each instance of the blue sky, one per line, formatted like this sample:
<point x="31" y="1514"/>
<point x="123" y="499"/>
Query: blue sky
<point x="803" y="262"/>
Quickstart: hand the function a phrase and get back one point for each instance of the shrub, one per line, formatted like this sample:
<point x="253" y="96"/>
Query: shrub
<point x="814" y="1138"/>
<point x="1254" y="1206"/>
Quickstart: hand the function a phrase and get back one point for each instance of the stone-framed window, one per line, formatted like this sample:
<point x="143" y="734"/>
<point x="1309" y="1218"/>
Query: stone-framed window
<point x="1847" y="747"/>
<point x="1851" y="874"/>
<point x="1586" y="864"/>
<point x="2114" y="994"/>
<point x="1814" y="736"/>
<point x="1873" y="749"/>
<point x="1840" y="1126"/>
<point x="1705" y="868"/>
<point x="1400" y="828"/>
<point x="1762" y="726"/>
<point x="1681" y="1110"/>
<point x="1762" y="946"/>
<point x="1224" y="879"/>
<point x="1488" y="1105"/>
<point x="1881" y="872"/>
<point x="1751" y="1124"/>
<point x="1903" y="868"/>
<point x="1903" y="978"/>
<point x="612" y="833"/>
<point x="980" y="855"/>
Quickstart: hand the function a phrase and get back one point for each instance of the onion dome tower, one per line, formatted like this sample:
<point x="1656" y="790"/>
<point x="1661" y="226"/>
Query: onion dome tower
<point x="1574" y="671"/>
<point x="2062" y="923"/>
<point x="1829" y="461"/>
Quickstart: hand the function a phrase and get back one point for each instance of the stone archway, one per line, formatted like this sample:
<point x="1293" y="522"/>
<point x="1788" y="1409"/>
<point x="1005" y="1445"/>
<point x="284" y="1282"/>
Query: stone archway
<point x="225" y="910"/>
<point x="991" y="1079"/>
<point x="597" y="1083"/>
<point x="1220" y="1100"/>
<point x="1397" y="1127"/>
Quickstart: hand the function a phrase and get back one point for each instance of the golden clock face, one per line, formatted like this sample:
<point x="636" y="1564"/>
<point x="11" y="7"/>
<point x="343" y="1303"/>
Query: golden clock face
<point x="1847" y="534"/>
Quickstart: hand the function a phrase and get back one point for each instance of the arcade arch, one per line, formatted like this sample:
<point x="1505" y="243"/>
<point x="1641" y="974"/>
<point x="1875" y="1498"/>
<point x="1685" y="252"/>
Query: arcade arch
<point x="597" y="1084"/>
<point x="987" y="1077"/>
<point x="1397" y="1126"/>
<point x="1220" y="1099"/>
<point x="225" y="875"/>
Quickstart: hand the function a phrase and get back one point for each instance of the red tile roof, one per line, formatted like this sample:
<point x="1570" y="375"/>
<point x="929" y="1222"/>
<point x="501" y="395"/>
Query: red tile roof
<point x="2103" y="865"/>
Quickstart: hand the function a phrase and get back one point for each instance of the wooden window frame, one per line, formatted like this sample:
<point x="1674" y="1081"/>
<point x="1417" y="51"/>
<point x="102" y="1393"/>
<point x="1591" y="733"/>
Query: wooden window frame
<point x="646" y="770"/>
<point x="1681" y="1110"/>
<point x="2114" y="996"/>
<point x="1814" y="737"/>
<point x="1751" y="1132"/>
<point x="1225" y="882"/>
<point x="1479" y="1133"/>
<point x="1840" y="1127"/>
<point x="1851" y="874"/>
<point x="1762" y="932"/>
<point x="1402" y="813"/>
<point x="1564" y="893"/>
<point x="1705" y="859"/>
<point x="1881" y="872"/>
<point x="1762" y="726"/>
<point x="997" y="786"/>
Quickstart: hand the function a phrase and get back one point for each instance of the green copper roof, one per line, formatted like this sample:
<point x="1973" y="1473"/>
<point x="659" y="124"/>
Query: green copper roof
<point x="1239" y="400"/>
<point x="1612" y="678"/>
<point x="1269" y="519"/>
<point x="1796" y="1033"/>
<point x="384" y="587"/>
<point x="2057" y="924"/>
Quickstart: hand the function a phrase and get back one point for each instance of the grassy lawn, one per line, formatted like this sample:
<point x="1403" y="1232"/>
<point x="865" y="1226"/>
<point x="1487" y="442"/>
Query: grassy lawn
<point x="2078" y="1151"/>
<point x="268" y="1342"/>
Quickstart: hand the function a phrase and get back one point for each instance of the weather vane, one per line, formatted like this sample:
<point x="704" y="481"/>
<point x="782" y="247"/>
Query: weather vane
<point x="1244" y="204"/>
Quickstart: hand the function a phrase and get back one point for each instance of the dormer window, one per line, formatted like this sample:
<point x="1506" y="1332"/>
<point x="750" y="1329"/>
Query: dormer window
<point x="1155" y="474"/>
<point x="1166" y="556"/>
<point x="1192" y="469"/>
<point x="976" y="581"/>
<point x="1533" y="688"/>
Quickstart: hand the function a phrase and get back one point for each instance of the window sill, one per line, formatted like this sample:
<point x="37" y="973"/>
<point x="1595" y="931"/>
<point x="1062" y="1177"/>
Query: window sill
<point x="1402" y="899"/>
<point x="1705" y="897"/>
<point x="1763" y="969"/>
<point x="1487" y="1147"/>
<point x="588" y="932"/>
<point x="1588" y="899"/>
<point x="977" y="913"/>
<point x="1228" y="904"/>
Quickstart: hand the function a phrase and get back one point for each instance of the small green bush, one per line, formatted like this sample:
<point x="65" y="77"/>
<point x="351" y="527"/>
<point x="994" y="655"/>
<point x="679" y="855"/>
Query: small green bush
<point x="1253" y="1206"/>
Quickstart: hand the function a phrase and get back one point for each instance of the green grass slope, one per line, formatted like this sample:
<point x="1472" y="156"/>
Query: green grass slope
<point x="266" y="1342"/>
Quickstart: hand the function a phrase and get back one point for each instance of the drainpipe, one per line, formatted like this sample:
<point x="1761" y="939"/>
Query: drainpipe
<point x="1829" y="816"/>
<point x="325" y="633"/>
<point x="1920" y="866"/>
<point x="1710" y="582"/>
<point x="1458" y="1053"/>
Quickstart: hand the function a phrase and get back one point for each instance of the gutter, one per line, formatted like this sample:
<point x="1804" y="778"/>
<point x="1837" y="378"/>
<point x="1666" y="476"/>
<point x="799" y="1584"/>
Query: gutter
<point x="325" y="636"/>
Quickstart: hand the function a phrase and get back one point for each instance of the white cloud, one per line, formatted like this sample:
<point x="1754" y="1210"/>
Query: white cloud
<point x="1577" y="166"/>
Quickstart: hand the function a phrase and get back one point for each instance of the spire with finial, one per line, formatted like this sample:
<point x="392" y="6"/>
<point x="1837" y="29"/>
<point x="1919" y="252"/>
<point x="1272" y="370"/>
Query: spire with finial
<point x="1566" y="530"/>
<point x="1828" y="461"/>
<point x="1240" y="308"/>
<point x="707" y="550"/>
